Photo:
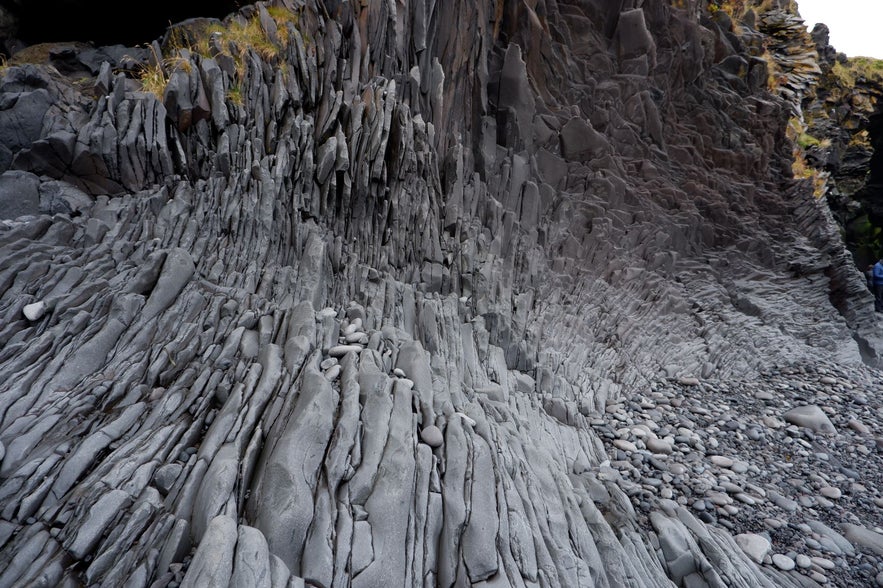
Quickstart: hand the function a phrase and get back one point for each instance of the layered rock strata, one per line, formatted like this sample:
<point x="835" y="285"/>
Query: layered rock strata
<point x="341" y="307"/>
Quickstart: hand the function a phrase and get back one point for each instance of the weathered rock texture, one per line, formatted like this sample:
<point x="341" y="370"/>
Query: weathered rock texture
<point x="337" y="309"/>
<point x="843" y="133"/>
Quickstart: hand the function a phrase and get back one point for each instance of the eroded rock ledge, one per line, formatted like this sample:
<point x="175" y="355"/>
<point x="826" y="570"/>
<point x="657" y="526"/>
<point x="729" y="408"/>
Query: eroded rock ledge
<point x="341" y="306"/>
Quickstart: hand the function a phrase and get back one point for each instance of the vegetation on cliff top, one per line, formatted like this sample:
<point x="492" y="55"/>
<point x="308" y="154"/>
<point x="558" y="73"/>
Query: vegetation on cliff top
<point x="234" y="38"/>
<point x="858" y="69"/>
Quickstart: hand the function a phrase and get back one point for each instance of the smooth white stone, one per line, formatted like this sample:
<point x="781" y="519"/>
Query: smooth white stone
<point x="677" y="469"/>
<point x="341" y="350"/>
<point x="744" y="498"/>
<point x="824" y="563"/>
<point x="720" y="460"/>
<point x="658" y="446"/>
<point x="432" y="436"/>
<point x="774" y="523"/>
<point x="831" y="492"/>
<point x="755" y="546"/>
<point x="740" y="467"/>
<point x="625" y="445"/>
<point x="783" y="562"/>
<point x="358" y="337"/>
<point x="729" y="487"/>
<point x="756" y="489"/>
<point x="34" y="311"/>
<point x="811" y="417"/>
<point x="773" y="422"/>
<point x="803" y="561"/>
<point x="824" y="502"/>
<point x="719" y="498"/>
<point x="640" y="432"/>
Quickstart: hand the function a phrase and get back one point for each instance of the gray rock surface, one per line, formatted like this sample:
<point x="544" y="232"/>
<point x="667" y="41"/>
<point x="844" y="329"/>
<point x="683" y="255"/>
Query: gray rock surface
<point x="428" y="294"/>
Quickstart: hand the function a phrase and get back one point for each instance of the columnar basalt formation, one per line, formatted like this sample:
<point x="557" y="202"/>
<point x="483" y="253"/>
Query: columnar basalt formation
<point x="341" y="307"/>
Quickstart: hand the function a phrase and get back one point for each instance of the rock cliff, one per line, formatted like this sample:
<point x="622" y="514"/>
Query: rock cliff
<point x="358" y="293"/>
<point x="839" y="138"/>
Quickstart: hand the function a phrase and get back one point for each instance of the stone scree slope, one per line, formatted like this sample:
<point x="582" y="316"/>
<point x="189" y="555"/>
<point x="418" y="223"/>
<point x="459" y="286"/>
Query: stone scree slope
<point x="344" y="312"/>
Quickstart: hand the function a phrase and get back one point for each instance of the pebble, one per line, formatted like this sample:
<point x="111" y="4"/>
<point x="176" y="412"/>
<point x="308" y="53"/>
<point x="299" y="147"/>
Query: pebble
<point x="745" y="499"/>
<point x="831" y="492"/>
<point x="858" y="427"/>
<point x="357" y="337"/>
<point x="803" y="561"/>
<point x="824" y="563"/>
<point x="720" y="460"/>
<point x="740" y="467"/>
<point x="625" y="445"/>
<point x="783" y="562"/>
<point x="658" y="446"/>
<point x="719" y="498"/>
<point x="341" y="350"/>
<point x="677" y="469"/>
<point x="755" y="546"/>
<point x="432" y="436"/>
<point x="736" y="464"/>
<point x="34" y="311"/>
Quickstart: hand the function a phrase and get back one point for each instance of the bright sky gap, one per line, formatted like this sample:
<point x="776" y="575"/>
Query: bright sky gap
<point x="854" y="24"/>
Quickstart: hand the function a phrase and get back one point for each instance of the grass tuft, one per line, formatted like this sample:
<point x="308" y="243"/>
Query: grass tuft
<point x="236" y="38"/>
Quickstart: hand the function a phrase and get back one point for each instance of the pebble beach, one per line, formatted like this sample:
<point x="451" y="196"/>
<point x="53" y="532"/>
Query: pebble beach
<point x="790" y="463"/>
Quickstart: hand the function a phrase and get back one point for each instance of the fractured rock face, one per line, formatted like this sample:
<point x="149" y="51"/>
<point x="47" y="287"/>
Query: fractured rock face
<point x="340" y="307"/>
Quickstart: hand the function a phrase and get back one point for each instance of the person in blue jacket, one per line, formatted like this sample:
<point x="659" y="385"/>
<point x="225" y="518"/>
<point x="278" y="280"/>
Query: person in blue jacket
<point x="877" y="276"/>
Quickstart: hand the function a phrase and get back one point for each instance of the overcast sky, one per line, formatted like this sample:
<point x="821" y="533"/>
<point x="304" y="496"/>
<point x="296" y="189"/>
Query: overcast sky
<point x="856" y="25"/>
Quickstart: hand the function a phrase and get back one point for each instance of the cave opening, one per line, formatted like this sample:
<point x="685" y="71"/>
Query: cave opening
<point x="103" y="23"/>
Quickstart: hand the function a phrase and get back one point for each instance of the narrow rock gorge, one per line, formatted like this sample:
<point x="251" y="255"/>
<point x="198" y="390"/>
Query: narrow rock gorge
<point x="418" y="293"/>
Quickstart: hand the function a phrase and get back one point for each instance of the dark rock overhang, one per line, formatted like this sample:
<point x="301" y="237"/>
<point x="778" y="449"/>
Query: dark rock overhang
<point x="102" y="22"/>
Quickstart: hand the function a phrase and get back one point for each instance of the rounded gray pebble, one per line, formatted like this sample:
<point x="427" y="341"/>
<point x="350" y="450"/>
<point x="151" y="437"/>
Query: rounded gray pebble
<point x="783" y="562"/>
<point x="432" y="436"/>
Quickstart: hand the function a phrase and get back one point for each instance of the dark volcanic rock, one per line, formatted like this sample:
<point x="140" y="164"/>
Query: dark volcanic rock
<point x="344" y="302"/>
